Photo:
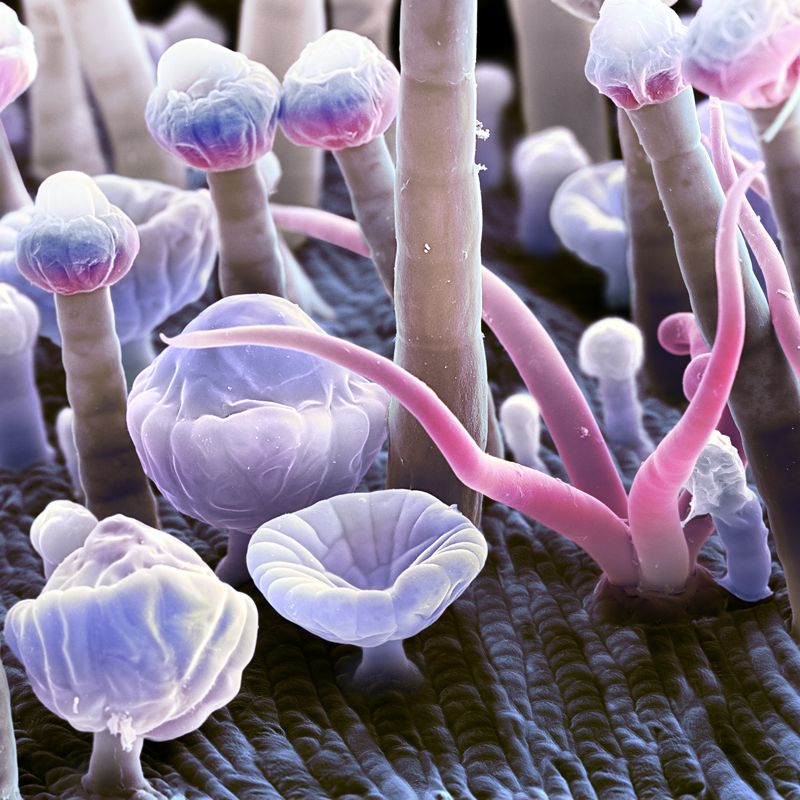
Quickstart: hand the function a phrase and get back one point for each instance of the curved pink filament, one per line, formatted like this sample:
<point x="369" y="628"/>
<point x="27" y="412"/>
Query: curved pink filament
<point x="653" y="511"/>
<point x="780" y="296"/>
<point x="564" y="408"/>
<point x="569" y="511"/>
<point x="759" y="184"/>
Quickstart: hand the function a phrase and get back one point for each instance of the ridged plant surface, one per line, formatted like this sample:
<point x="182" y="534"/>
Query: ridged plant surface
<point x="531" y="690"/>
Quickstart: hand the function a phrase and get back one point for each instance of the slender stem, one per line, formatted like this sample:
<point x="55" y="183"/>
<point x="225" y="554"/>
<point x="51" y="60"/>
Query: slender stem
<point x="369" y="173"/>
<point x="249" y="256"/>
<point x="115" y="59"/>
<point x="438" y="217"/>
<point x="567" y="510"/>
<point x="657" y="287"/>
<point x="113" y="769"/>
<point x="110" y="470"/>
<point x="63" y="134"/>
<point x="387" y="660"/>
<point x="765" y="399"/>
<point x="13" y="194"/>
<point x="9" y="773"/>
<point x="23" y="437"/>
<point x="545" y="373"/>
<point x="551" y="54"/>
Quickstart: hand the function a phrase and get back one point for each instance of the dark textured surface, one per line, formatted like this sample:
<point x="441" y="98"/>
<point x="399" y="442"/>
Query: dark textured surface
<point x="531" y="690"/>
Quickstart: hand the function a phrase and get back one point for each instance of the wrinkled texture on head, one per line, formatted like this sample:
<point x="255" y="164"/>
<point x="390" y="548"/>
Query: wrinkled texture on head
<point x="222" y="121"/>
<point x="745" y="51"/>
<point x="134" y="634"/>
<point x="75" y="250"/>
<point x="366" y="568"/>
<point x="238" y="435"/>
<point x="177" y="251"/>
<point x="341" y="92"/>
<point x="635" y="53"/>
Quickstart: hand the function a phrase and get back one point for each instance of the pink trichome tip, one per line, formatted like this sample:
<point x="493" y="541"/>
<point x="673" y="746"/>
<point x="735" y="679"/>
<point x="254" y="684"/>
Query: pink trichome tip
<point x="76" y="240"/>
<point x="635" y="53"/>
<point x="341" y="92"/>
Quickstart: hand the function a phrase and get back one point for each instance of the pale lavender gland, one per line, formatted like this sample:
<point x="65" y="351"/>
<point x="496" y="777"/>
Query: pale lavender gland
<point x="367" y="569"/>
<point x="76" y="241"/>
<point x="341" y="92"/>
<point x="635" y="53"/>
<point x="18" y="63"/>
<point x="23" y="437"/>
<point x="237" y="436"/>
<point x="133" y="636"/>
<point x="541" y="162"/>
<point x="745" y="51"/>
<point x="587" y="215"/>
<point x="213" y="109"/>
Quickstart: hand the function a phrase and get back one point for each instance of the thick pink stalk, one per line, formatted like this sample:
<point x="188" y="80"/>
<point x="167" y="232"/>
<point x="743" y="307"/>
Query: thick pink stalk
<point x="653" y="512"/>
<point x="564" y="408"/>
<point x="780" y="295"/>
<point x="573" y="513"/>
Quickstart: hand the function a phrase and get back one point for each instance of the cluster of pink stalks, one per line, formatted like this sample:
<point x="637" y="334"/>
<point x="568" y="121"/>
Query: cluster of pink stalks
<point x="637" y="540"/>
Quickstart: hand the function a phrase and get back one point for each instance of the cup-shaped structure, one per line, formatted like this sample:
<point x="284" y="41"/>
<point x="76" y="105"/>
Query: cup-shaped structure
<point x="236" y="436"/>
<point x="590" y="9"/>
<point x="587" y="214"/>
<point x="745" y="51"/>
<point x="18" y="63"/>
<point x="76" y="241"/>
<point x="635" y="54"/>
<point x="134" y="635"/>
<point x="213" y="109"/>
<point x="178" y="246"/>
<point x="368" y="568"/>
<point x="341" y="92"/>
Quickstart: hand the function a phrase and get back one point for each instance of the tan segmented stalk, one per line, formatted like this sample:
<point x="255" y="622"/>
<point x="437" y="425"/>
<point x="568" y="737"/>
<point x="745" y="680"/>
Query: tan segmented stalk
<point x="657" y="287"/>
<point x="438" y="213"/>
<point x="63" y="134"/>
<point x="114" y="57"/>
<point x="273" y="32"/>
<point x="551" y="52"/>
